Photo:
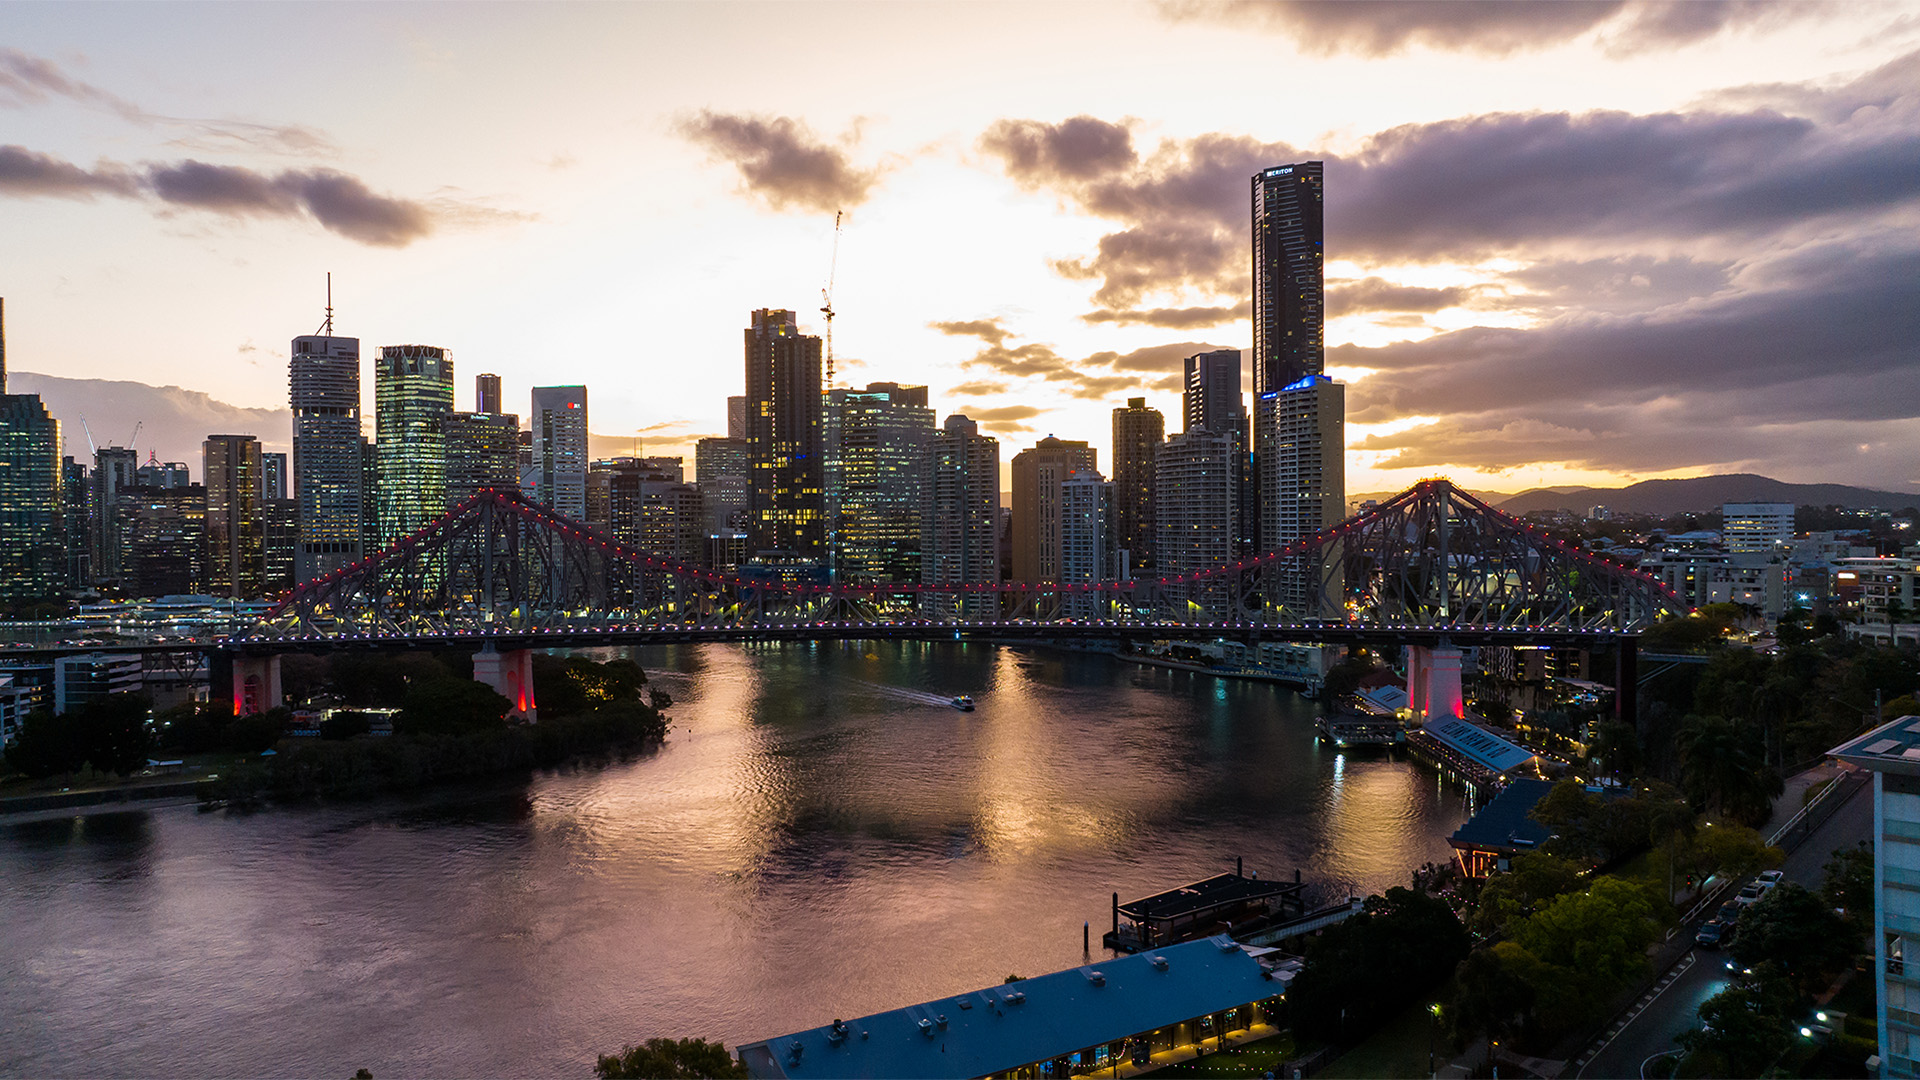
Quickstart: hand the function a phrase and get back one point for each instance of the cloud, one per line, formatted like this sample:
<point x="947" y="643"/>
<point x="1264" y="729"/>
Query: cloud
<point x="988" y="330"/>
<point x="781" y="162"/>
<point x="1004" y="412"/>
<point x="30" y="80"/>
<point x="1099" y="376"/>
<point x="27" y="174"/>
<point x="1491" y="27"/>
<point x="978" y="388"/>
<point x="1184" y="318"/>
<point x="1080" y="148"/>
<point x="1378" y="294"/>
<point x="341" y="203"/>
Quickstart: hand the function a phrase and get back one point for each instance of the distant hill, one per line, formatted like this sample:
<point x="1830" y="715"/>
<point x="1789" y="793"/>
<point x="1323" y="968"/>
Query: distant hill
<point x="1701" y="494"/>
<point x="175" y="422"/>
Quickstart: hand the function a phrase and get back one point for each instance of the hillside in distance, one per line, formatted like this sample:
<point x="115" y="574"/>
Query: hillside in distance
<point x="1702" y="494"/>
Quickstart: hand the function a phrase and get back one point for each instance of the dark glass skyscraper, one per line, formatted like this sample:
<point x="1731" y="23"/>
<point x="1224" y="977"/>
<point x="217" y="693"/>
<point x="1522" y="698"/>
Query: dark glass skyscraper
<point x="1289" y="276"/>
<point x="1138" y="431"/>
<point x="786" y="503"/>
<point x="324" y="390"/>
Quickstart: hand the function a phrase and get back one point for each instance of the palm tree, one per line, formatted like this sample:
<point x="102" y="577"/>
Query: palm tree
<point x="1724" y="771"/>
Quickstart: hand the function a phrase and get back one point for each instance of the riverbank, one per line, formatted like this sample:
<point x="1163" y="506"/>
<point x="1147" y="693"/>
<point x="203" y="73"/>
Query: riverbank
<point x="103" y="798"/>
<point x="1306" y="688"/>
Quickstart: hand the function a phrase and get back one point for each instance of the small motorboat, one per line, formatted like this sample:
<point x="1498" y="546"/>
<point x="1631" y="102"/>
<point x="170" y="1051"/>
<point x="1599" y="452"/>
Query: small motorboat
<point x="963" y="703"/>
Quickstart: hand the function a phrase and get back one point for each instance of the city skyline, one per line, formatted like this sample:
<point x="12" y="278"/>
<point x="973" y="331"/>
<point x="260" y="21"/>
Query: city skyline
<point x="1573" y="255"/>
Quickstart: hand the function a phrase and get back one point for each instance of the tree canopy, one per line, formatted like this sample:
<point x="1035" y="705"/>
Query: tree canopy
<point x="670" y="1059"/>
<point x="1362" y="970"/>
<point x="1796" y="929"/>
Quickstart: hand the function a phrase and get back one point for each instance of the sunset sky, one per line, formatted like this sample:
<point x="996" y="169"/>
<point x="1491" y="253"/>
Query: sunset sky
<point x="1567" y="243"/>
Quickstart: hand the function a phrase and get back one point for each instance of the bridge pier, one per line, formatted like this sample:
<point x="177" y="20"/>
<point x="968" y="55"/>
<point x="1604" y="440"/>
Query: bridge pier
<point x="256" y="684"/>
<point x="511" y="676"/>
<point x="1433" y="682"/>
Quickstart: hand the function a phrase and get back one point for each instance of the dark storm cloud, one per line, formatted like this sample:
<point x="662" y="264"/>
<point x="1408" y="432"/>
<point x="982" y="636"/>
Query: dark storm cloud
<point x="1378" y="294"/>
<point x="782" y="162"/>
<point x="1814" y="344"/>
<point x="27" y="174"/>
<point x="340" y="203"/>
<point x="1101" y="375"/>
<point x="1154" y="358"/>
<point x="1494" y="27"/>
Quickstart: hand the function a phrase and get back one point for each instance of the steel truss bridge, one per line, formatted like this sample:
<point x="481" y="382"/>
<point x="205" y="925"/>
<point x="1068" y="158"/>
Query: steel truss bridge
<point x="1432" y="565"/>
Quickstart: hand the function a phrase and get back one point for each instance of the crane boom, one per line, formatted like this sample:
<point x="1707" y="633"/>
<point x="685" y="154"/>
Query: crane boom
<point x="826" y="294"/>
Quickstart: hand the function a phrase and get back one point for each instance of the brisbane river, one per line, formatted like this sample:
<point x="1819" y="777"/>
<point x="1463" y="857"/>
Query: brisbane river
<point x="822" y="836"/>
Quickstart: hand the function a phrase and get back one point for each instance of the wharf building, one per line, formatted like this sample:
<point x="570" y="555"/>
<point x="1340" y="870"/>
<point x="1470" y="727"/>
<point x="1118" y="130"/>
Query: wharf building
<point x="328" y="451"/>
<point x="560" y="453"/>
<point x="786" y="491"/>
<point x="1038" y="473"/>
<point x="876" y="442"/>
<point x="1211" y="401"/>
<point x="1299" y="414"/>
<point x="1199" y="497"/>
<point x="33" y="551"/>
<point x="960" y="536"/>
<point x="1137" y="433"/>
<point x="235" y="532"/>
<point x="413" y="397"/>
<point x="1089" y="551"/>
<point x="1140" y="1012"/>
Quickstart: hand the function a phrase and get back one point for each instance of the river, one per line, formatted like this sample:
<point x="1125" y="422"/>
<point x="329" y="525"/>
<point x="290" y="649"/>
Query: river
<point x="821" y="836"/>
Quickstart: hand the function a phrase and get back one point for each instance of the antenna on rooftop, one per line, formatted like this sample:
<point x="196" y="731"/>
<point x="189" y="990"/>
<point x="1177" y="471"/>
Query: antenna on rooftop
<point x="326" y="328"/>
<point x="826" y="294"/>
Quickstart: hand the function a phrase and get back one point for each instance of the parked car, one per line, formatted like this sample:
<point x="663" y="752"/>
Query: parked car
<point x="1753" y="892"/>
<point x="1770" y="878"/>
<point x="1711" y="934"/>
<point x="1730" y="913"/>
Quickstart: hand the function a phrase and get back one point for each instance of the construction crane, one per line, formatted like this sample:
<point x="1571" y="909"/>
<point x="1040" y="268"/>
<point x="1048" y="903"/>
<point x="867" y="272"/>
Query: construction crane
<point x="131" y="439"/>
<point x="826" y="294"/>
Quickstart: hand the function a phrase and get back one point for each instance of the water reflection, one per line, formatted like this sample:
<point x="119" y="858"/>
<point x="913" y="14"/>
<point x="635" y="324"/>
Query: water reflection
<point x="811" y="842"/>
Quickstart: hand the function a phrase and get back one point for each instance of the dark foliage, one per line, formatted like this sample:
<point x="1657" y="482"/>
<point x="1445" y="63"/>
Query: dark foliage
<point x="108" y="735"/>
<point x="345" y="724"/>
<point x="1796" y="929"/>
<point x="1362" y="971"/>
<point x="671" y="1059"/>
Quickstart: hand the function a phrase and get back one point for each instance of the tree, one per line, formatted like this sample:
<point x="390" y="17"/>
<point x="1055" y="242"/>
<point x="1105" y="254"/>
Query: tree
<point x="671" y="1059"/>
<point x="1743" y="1029"/>
<point x="1602" y="933"/>
<point x="1796" y="929"/>
<point x="449" y="706"/>
<point x="46" y="745"/>
<point x="1533" y="880"/>
<point x="113" y="729"/>
<point x="1849" y="884"/>
<point x="1722" y="772"/>
<point x="1733" y="851"/>
<point x="1362" y="970"/>
<point x="345" y="724"/>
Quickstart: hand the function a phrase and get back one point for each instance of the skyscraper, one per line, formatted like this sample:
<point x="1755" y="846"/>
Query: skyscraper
<point x="1137" y="434"/>
<point x="115" y="469"/>
<point x="737" y="417"/>
<point x="273" y="475"/>
<point x="560" y="449"/>
<point x="236" y="556"/>
<point x="875" y="441"/>
<point x="1038" y="473"/>
<point x="1303" y="483"/>
<point x="1088" y="551"/>
<point x="413" y="397"/>
<point x="33" y="554"/>
<point x="1212" y="402"/>
<point x="1289" y="278"/>
<point x="1199" y="490"/>
<point x="720" y="468"/>
<point x="960" y="537"/>
<point x="324" y="391"/>
<point x="483" y="453"/>
<point x="486" y="394"/>
<point x="786" y="491"/>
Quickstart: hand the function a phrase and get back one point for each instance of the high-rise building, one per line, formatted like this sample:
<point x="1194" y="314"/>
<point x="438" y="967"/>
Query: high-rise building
<point x="413" y="397"/>
<point x="115" y="469"/>
<point x="737" y="417"/>
<point x="1756" y="528"/>
<point x="166" y="546"/>
<point x="1289" y="277"/>
<point x="486" y="395"/>
<point x="1038" y="473"/>
<point x="1213" y="402"/>
<point x="1137" y="434"/>
<point x="76" y="494"/>
<point x="279" y="536"/>
<point x="483" y="454"/>
<point x="235" y="525"/>
<point x="720" y="468"/>
<point x="165" y="474"/>
<point x="328" y="488"/>
<point x="960" y="537"/>
<point x="1301" y="432"/>
<point x="560" y="449"/>
<point x="33" y="550"/>
<point x="786" y="503"/>
<point x="273" y="475"/>
<point x="646" y="503"/>
<point x="875" y="441"/>
<point x="1088" y="552"/>
<point x="1199" y="489"/>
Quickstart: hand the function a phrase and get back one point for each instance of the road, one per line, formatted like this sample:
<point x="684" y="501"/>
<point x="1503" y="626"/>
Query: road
<point x="1674" y="1011"/>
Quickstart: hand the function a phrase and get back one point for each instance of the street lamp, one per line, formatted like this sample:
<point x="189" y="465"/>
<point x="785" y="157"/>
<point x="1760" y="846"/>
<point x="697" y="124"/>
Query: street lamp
<point x="1433" y="1021"/>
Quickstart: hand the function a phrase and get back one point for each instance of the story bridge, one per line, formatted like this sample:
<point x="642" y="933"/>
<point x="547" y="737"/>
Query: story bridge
<point x="1432" y="568"/>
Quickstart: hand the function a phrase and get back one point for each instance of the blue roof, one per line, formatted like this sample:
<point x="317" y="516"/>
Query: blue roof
<point x="1004" y="1027"/>
<point x="1478" y="744"/>
<point x="1892" y="747"/>
<point x="1503" y="824"/>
